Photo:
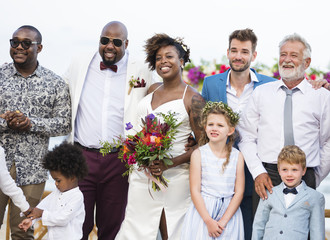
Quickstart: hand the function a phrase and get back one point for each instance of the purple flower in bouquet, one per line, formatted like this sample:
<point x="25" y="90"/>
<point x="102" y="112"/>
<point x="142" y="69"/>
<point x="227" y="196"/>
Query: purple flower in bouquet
<point x="128" y="126"/>
<point x="327" y="76"/>
<point x="150" y="116"/>
<point x="195" y="75"/>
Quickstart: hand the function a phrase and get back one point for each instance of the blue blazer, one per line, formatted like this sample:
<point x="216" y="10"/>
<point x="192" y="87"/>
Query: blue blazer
<point x="215" y="86"/>
<point x="306" y="213"/>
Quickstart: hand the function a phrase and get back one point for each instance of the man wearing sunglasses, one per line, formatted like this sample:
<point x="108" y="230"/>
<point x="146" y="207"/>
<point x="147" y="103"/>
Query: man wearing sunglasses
<point x="36" y="105"/>
<point x="102" y="102"/>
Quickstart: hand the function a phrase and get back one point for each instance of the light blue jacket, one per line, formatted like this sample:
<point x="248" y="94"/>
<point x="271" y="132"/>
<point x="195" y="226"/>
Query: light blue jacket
<point x="306" y="213"/>
<point x="215" y="86"/>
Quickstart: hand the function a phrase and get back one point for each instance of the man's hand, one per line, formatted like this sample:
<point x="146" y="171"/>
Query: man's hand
<point x="320" y="83"/>
<point x="262" y="182"/>
<point x="18" y="121"/>
<point x="27" y="212"/>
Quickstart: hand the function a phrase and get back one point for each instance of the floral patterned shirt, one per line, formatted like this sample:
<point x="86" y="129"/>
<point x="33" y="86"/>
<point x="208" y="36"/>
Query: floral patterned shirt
<point x="44" y="98"/>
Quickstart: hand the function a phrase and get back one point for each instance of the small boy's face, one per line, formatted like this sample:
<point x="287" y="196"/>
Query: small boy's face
<point x="63" y="183"/>
<point x="291" y="174"/>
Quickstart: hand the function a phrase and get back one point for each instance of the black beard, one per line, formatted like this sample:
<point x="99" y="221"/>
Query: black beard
<point x="108" y="63"/>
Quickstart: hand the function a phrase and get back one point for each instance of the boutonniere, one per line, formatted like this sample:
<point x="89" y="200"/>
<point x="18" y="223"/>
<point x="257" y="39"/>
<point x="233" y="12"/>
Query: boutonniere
<point x="136" y="83"/>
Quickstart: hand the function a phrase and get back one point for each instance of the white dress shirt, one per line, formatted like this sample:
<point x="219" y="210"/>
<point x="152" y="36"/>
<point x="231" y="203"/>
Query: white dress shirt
<point x="100" y="112"/>
<point x="238" y="103"/>
<point x="64" y="214"/>
<point x="9" y="187"/>
<point x="261" y="126"/>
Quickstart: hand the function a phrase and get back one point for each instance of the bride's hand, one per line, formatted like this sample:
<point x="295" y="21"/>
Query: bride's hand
<point x="157" y="167"/>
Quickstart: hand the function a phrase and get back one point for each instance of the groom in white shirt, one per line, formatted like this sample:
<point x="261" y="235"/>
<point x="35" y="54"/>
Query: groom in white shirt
<point x="262" y="122"/>
<point x="102" y="102"/>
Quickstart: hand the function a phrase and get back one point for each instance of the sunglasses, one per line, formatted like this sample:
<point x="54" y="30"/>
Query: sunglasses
<point x="115" y="41"/>
<point x="26" y="44"/>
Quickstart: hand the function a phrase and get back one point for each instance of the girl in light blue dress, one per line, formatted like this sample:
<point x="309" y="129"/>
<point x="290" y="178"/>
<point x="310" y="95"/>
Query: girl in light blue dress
<point x="216" y="179"/>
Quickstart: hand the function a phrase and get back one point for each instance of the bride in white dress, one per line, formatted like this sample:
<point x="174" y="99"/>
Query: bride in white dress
<point x="145" y="206"/>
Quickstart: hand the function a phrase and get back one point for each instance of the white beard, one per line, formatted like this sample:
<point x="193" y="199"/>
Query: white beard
<point x="291" y="74"/>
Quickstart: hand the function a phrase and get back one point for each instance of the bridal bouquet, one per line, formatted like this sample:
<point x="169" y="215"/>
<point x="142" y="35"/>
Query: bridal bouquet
<point x="153" y="142"/>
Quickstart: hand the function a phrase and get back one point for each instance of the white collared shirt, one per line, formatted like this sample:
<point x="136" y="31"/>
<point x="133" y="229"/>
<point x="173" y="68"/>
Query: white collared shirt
<point x="238" y="103"/>
<point x="261" y="126"/>
<point x="288" y="198"/>
<point x="100" y="112"/>
<point x="9" y="187"/>
<point x="64" y="214"/>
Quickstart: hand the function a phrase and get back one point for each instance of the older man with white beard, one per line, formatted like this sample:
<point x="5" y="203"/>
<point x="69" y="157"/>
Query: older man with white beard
<point x="265" y="124"/>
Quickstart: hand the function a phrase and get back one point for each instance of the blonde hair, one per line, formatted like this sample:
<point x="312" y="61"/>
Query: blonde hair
<point x="293" y="155"/>
<point x="232" y="119"/>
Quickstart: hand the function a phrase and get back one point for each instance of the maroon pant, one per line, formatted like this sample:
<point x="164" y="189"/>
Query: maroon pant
<point x="106" y="189"/>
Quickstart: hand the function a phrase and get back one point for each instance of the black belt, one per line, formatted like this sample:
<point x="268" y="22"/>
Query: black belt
<point x="113" y="150"/>
<point x="273" y="166"/>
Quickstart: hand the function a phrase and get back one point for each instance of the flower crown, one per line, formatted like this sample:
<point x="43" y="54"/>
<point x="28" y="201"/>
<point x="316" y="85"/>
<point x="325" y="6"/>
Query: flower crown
<point x="180" y="42"/>
<point x="233" y="116"/>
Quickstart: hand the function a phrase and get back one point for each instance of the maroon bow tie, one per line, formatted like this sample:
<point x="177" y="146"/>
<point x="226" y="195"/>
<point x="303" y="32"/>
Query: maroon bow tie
<point x="112" y="67"/>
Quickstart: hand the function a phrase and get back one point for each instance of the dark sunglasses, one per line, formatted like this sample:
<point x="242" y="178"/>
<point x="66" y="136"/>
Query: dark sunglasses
<point x="115" y="41"/>
<point x="26" y="44"/>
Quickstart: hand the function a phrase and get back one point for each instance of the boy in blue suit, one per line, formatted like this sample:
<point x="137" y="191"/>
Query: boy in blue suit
<point x="293" y="209"/>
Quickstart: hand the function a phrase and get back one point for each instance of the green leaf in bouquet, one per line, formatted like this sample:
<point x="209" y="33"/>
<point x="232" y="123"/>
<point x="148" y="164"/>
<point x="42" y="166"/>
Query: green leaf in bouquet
<point x="107" y="146"/>
<point x="154" y="157"/>
<point x="167" y="161"/>
<point x="140" y="134"/>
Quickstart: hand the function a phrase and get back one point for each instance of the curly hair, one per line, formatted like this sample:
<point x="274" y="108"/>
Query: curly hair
<point x="231" y="117"/>
<point x="158" y="41"/>
<point x="293" y="155"/>
<point x="68" y="160"/>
